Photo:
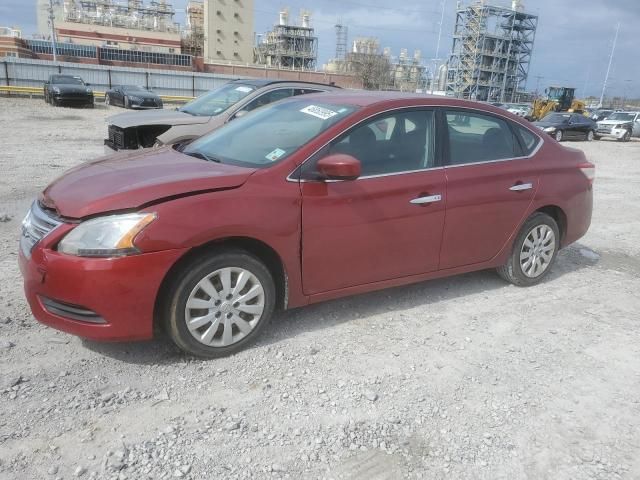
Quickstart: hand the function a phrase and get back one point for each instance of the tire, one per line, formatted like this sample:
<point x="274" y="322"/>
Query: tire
<point x="513" y="270"/>
<point x="590" y="136"/>
<point x="107" y="100"/>
<point x="125" y="102"/>
<point x="626" y="137"/>
<point x="559" y="135"/>
<point x="597" y="137"/>
<point x="198" y="282"/>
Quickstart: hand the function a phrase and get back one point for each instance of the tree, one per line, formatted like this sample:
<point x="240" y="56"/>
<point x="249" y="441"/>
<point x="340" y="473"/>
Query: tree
<point x="372" y="69"/>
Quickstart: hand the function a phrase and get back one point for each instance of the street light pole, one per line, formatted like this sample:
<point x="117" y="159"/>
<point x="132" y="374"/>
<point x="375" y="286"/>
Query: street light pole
<point x="437" y="59"/>
<point x="606" y="78"/>
<point x="52" y="18"/>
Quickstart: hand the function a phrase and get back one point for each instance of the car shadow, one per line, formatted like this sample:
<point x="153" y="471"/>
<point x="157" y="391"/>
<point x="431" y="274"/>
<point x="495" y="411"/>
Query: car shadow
<point x="291" y="323"/>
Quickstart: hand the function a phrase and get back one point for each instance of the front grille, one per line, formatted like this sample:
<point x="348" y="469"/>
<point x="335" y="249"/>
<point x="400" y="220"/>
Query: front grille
<point x="74" y="312"/>
<point x="116" y="136"/>
<point x="36" y="225"/>
<point x="121" y="138"/>
<point x="604" y="129"/>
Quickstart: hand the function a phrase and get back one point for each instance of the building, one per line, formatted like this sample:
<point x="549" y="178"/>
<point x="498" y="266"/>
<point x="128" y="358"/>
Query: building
<point x="408" y="74"/>
<point x="130" y="25"/>
<point x="228" y="31"/>
<point x="491" y="51"/>
<point x="288" y="46"/>
<point x="193" y="34"/>
<point x="12" y="45"/>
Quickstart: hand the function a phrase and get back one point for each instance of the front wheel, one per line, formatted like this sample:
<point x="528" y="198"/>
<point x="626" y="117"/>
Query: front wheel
<point x="534" y="251"/>
<point x="626" y="137"/>
<point x="125" y="103"/>
<point x="219" y="303"/>
<point x="590" y="136"/>
<point x="107" y="100"/>
<point x="559" y="135"/>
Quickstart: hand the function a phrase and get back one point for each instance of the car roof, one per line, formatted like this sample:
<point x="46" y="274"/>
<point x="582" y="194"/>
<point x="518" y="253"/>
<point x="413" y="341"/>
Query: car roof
<point x="362" y="98"/>
<point x="263" y="82"/>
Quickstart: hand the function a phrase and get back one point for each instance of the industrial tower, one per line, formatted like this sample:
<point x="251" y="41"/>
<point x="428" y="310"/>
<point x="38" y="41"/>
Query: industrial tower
<point x="491" y="52"/>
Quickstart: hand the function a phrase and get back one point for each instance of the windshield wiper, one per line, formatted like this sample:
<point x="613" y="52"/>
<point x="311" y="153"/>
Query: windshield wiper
<point x="203" y="156"/>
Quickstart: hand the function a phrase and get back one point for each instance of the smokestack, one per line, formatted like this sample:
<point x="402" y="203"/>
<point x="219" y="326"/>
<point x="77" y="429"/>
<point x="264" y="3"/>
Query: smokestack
<point x="284" y="17"/>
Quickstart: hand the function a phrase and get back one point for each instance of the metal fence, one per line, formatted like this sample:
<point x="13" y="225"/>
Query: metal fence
<point x="26" y="72"/>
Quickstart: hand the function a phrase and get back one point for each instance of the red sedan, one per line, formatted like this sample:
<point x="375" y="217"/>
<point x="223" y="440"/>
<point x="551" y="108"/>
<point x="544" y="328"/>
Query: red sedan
<point x="310" y="199"/>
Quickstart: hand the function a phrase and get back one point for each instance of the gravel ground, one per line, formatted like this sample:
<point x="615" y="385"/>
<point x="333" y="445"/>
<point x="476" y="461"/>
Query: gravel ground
<point x="461" y="378"/>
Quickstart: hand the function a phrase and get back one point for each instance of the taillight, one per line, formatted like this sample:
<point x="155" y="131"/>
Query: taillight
<point x="589" y="170"/>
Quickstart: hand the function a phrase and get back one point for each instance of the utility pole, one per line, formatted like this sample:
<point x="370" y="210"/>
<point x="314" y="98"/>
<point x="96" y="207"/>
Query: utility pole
<point x="538" y="78"/>
<point x="437" y="59"/>
<point x="52" y="19"/>
<point x="606" y="78"/>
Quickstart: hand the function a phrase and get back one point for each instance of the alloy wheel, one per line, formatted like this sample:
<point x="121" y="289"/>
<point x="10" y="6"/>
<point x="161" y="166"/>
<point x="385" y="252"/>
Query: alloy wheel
<point x="590" y="135"/>
<point x="559" y="135"/>
<point x="224" y="307"/>
<point x="537" y="250"/>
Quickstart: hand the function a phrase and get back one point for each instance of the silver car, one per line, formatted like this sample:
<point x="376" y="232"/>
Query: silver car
<point x="619" y="125"/>
<point x="133" y="130"/>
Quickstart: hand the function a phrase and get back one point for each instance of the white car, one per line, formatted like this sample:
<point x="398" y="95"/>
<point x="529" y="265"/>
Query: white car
<point x="521" y="110"/>
<point x="619" y="125"/>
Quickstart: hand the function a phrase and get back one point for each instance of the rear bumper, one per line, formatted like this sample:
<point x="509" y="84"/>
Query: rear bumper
<point x="98" y="299"/>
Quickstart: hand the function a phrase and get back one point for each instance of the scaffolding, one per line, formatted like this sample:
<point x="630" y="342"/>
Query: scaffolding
<point x="491" y="52"/>
<point x="408" y="74"/>
<point x="287" y="46"/>
<point x="193" y="35"/>
<point x="342" y="32"/>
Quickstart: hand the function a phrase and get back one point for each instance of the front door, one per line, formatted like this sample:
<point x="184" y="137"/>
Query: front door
<point x="490" y="185"/>
<point x="387" y="223"/>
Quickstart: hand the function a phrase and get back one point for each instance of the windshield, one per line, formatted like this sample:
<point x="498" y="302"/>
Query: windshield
<point x="64" y="80"/>
<point x="268" y="135"/>
<point x="134" y="88"/>
<point x="627" y="117"/>
<point x="217" y="101"/>
<point x="557" y="117"/>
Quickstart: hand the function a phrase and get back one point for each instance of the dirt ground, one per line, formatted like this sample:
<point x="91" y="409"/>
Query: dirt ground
<point x="461" y="378"/>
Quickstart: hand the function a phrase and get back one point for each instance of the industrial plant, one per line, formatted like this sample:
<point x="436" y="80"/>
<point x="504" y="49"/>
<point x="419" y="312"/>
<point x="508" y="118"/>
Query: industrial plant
<point x="491" y="51"/>
<point x="289" y="46"/>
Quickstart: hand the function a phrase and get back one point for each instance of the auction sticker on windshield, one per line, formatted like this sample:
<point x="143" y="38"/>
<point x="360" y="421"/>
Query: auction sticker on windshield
<point x="276" y="154"/>
<point x="319" y="112"/>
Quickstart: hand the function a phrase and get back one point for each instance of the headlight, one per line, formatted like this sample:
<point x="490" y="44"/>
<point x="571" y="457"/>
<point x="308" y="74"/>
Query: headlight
<point x="55" y="90"/>
<point x="549" y="129"/>
<point x="109" y="236"/>
<point x="89" y="90"/>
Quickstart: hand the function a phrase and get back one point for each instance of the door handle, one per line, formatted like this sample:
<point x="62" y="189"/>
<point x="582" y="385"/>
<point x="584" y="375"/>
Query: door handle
<point x="521" y="186"/>
<point x="427" y="199"/>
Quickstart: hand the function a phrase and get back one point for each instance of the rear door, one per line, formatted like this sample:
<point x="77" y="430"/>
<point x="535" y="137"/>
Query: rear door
<point x="491" y="181"/>
<point x="386" y="224"/>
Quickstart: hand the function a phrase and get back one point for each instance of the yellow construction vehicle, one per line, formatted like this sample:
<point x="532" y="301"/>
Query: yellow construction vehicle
<point x="559" y="99"/>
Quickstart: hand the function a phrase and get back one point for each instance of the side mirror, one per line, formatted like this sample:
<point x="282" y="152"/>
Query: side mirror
<point x="87" y="84"/>
<point x="339" y="166"/>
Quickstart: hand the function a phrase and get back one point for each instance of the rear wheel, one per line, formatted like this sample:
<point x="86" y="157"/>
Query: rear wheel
<point x="534" y="251"/>
<point x="559" y="135"/>
<point x="107" y="99"/>
<point x="219" y="303"/>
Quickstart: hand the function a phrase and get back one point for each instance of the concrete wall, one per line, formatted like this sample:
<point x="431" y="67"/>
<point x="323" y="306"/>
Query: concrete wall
<point x="228" y="31"/>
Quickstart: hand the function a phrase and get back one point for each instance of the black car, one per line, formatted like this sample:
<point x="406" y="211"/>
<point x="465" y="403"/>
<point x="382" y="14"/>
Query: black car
<point x="568" y="126"/>
<point x="67" y="89"/>
<point x="132" y="96"/>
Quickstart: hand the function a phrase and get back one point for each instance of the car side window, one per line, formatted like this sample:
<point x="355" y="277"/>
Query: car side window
<point x="474" y="138"/>
<point x="529" y="140"/>
<point x="268" y="97"/>
<point x="304" y="91"/>
<point x="392" y="143"/>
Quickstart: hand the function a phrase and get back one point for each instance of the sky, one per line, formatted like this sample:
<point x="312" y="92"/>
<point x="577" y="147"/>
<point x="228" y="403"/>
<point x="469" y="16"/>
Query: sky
<point x="572" y="46"/>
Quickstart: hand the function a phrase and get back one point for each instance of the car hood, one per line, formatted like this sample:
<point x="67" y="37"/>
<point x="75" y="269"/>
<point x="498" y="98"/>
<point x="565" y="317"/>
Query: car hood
<point x="614" y="122"/>
<point x="548" y="124"/>
<point x="155" y="117"/>
<point x="71" y="88"/>
<point x="131" y="180"/>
